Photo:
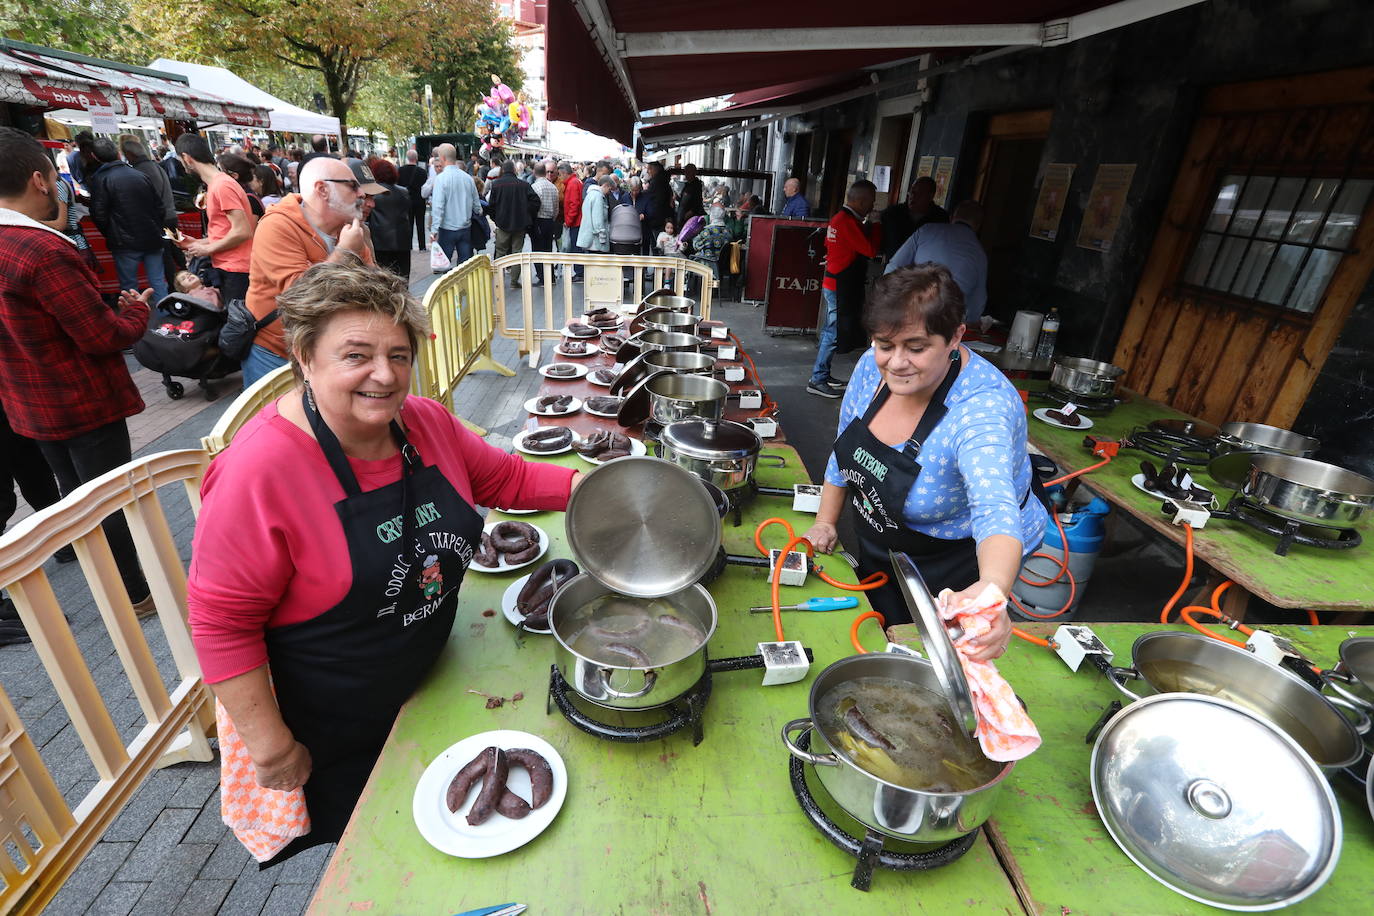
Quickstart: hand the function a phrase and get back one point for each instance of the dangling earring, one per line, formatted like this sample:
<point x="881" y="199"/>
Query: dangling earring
<point x="310" y="395"/>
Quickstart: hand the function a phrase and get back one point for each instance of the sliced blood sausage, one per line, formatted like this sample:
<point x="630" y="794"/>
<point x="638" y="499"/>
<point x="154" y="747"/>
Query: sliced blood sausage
<point x="612" y="454"/>
<point x="581" y="330"/>
<point x="541" y="774"/>
<point x="574" y="346"/>
<point x="463" y="782"/>
<point x="603" y="403"/>
<point x="512" y="805"/>
<point x="493" y="785"/>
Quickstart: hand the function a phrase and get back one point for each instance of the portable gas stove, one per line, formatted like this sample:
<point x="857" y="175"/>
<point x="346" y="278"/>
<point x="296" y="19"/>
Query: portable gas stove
<point x="1060" y="398"/>
<point x="873" y="850"/>
<point x="755" y="561"/>
<point x="1171" y="448"/>
<point x="685" y="711"/>
<point x="740" y="497"/>
<point x="1288" y="531"/>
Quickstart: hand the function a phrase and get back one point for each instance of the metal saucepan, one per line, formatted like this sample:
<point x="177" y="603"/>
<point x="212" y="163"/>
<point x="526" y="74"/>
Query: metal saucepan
<point x="667" y="341"/>
<point x="1084" y="378"/>
<point x="626" y="685"/>
<point x="720" y="452"/>
<point x="1256" y="437"/>
<point x="674" y="397"/>
<point x="1308" y="491"/>
<point x="660" y="318"/>
<point x="1353" y="676"/>
<point x="684" y="363"/>
<point x="920" y="817"/>
<point x="666" y="298"/>
<point x="1173" y="662"/>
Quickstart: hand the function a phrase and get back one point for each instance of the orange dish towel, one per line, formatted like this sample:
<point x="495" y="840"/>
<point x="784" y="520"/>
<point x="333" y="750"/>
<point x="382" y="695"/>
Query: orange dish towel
<point x="264" y="820"/>
<point x="1004" y="730"/>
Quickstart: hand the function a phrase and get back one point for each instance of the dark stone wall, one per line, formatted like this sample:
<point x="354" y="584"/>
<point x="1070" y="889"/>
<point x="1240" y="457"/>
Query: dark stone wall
<point x="1340" y="409"/>
<point x="1130" y="95"/>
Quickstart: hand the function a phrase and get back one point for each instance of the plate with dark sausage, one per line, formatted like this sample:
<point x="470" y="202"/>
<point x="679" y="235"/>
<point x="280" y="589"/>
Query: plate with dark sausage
<point x="563" y="372"/>
<point x="553" y="405"/>
<point x="605" y="445"/>
<point x="545" y="440"/>
<point x="603" y="376"/>
<point x="526" y="600"/>
<point x="489" y="794"/>
<point x="1062" y="420"/>
<point x="581" y="330"/>
<point x="602" y="406"/>
<point x="574" y="348"/>
<point x="509" y="545"/>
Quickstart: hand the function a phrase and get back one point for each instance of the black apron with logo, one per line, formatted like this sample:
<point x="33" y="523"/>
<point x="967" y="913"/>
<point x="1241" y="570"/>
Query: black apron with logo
<point x="879" y="481"/>
<point x="849" y="299"/>
<point x="342" y="677"/>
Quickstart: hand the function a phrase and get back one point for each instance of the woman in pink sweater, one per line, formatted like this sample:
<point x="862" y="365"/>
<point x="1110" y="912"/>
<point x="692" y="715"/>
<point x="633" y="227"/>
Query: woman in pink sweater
<point x="307" y="609"/>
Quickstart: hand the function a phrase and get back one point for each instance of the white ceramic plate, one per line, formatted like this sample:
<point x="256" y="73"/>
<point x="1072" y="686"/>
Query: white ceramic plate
<point x="636" y="448"/>
<point x="591" y="377"/>
<point x="980" y="346"/>
<point x="567" y="332"/>
<point x="501" y="558"/>
<point x="520" y="445"/>
<point x="1041" y="414"/>
<point x="597" y="413"/>
<point x="1140" y="484"/>
<point x="450" y="832"/>
<point x="532" y="404"/>
<point x="528" y="511"/>
<point x="579" y="370"/>
<point x="508" y="607"/>
<point x="590" y="351"/>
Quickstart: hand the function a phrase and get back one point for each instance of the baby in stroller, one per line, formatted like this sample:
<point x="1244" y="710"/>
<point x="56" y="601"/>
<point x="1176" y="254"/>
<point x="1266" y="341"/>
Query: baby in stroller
<point x="183" y="337"/>
<point x="191" y="285"/>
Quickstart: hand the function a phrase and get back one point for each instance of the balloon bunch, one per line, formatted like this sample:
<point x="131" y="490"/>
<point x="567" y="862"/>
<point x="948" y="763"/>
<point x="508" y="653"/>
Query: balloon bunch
<point x="501" y="116"/>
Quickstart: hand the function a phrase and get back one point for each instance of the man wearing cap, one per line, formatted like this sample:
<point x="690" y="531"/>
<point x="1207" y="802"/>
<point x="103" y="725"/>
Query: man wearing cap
<point x="323" y="222"/>
<point x="512" y="205"/>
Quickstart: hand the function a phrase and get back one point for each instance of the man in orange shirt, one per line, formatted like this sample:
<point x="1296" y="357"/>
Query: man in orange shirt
<point x="230" y="221"/>
<point x="321" y="223"/>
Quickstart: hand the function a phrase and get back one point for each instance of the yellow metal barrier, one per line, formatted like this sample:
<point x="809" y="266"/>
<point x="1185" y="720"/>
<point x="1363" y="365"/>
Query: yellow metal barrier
<point x="45" y="838"/>
<point x="252" y="399"/>
<point x="603" y="285"/>
<point x="460" y="311"/>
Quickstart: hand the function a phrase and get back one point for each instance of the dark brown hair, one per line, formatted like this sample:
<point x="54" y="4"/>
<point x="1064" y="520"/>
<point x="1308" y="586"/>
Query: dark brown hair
<point x="925" y="292"/>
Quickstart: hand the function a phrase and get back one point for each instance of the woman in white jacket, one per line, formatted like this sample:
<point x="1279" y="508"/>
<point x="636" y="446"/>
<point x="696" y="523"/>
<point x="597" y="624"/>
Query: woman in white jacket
<point x="595" y="232"/>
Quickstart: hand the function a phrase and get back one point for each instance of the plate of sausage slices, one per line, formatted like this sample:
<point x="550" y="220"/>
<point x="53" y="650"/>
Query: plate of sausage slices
<point x="490" y="793"/>
<point x="509" y="545"/>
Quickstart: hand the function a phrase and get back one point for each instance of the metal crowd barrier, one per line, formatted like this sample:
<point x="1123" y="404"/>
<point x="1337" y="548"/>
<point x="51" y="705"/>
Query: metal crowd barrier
<point x="603" y="285"/>
<point x="460" y="311"/>
<point x="45" y="838"/>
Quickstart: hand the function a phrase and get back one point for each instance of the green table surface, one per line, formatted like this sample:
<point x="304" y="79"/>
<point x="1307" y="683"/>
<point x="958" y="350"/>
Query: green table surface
<point x="661" y="827"/>
<point x="1056" y="849"/>
<point x="1309" y="577"/>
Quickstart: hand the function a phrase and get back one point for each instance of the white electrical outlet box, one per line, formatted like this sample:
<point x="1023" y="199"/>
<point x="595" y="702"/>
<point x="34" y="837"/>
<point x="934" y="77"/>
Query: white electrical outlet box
<point x="766" y="427"/>
<point x="720" y="332"/>
<point x="1073" y="643"/>
<point x="1189" y="513"/>
<point x="783" y="662"/>
<point x="750" y="399"/>
<point x="895" y="649"/>
<point x="793" y="568"/>
<point x="734" y="373"/>
<point x="806" y="497"/>
<point x="727" y="352"/>
<point x="1269" y="647"/>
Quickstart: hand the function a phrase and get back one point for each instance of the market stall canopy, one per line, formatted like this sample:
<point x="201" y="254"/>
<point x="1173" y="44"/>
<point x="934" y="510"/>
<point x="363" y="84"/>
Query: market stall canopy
<point x="772" y="102"/>
<point x="51" y="79"/>
<point x="284" y="115"/>
<point x="609" y="60"/>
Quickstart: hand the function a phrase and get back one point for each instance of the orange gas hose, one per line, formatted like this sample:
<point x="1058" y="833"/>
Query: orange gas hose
<point x="876" y="580"/>
<point x="769" y="405"/>
<point x="854" y="629"/>
<point x="1063" y="563"/>
<point x="1187" y="574"/>
<point x="1072" y="474"/>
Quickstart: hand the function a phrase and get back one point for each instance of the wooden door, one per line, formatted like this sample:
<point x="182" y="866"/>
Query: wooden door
<point x="1267" y="240"/>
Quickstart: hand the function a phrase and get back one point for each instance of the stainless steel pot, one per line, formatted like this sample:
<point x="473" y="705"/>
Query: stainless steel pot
<point x="933" y="818"/>
<point x="1256" y="437"/>
<point x="1353" y="677"/>
<point x="1085" y="378"/>
<point x="720" y="452"/>
<point x="628" y="687"/>
<point x="1308" y="491"/>
<point x="684" y="363"/>
<point x="1173" y="662"/>
<point x="666" y="298"/>
<point x="674" y="397"/>
<point x="666" y="341"/>
<point x="665" y="319"/>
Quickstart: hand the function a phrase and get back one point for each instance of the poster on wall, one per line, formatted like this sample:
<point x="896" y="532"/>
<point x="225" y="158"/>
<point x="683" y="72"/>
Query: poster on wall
<point x="1049" y="204"/>
<point x="926" y="167"/>
<point x="1105" y="203"/>
<point x="882" y="177"/>
<point x="103" y="119"/>
<point x="944" y="170"/>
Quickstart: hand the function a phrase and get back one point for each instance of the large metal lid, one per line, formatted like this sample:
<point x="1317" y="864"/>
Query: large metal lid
<point x="636" y="407"/>
<point x="711" y="439"/>
<point x="1214" y="802"/>
<point x="949" y="671"/>
<point x="643" y="527"/>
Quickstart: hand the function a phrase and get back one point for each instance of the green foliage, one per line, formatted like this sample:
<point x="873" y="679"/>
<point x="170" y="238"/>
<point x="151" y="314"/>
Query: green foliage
<point x="460" y="67"/>
<point x="98" y="28"/>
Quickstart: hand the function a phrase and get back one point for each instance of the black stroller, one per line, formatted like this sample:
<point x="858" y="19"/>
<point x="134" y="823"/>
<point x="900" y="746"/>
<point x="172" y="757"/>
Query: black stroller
<point x="183" y="340"/>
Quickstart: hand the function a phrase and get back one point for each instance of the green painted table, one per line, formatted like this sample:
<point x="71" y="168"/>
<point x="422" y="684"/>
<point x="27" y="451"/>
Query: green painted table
<point x="1309" y="577"/>
<point x="661" y="827"/>
<point x="1056" y="849"/>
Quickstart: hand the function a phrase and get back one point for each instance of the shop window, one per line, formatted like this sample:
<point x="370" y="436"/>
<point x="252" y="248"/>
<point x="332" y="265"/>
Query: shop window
<point x="1277" y="239"/>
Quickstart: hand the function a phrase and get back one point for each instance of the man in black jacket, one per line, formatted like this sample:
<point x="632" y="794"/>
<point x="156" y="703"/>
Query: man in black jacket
<point x="512" y="205"/>
<point x="127" y="210"/>
<point x="901" y="220"/>
<point x="413" y="177"/>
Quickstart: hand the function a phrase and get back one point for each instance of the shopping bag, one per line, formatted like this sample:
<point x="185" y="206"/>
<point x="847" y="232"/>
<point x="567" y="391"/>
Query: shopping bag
<point x="438" y="261"/>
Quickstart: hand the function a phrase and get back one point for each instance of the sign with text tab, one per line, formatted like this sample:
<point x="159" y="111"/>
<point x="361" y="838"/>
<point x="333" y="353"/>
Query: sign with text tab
<point x="793" y="297"/>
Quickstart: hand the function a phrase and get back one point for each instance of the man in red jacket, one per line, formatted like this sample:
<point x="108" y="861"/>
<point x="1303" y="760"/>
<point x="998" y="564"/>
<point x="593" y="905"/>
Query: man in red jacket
<point x="572" y="213"/>
<point x="63" y="379"/>
<point x="850" y="243"/>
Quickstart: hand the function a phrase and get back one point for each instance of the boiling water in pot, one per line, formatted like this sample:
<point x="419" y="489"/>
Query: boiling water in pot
<point x="621" y="631"/>
<point x="903" y="733"/>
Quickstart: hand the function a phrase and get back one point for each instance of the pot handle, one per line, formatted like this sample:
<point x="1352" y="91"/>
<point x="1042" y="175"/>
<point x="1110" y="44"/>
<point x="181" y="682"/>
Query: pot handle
<point x="1116" y="676"/>
<point x="650" y="678"/>
<point x="781" y="461"/>
<point x="820" y="760"/>
<point x="1337" y="680"/>
<point x="1362" y="721"/>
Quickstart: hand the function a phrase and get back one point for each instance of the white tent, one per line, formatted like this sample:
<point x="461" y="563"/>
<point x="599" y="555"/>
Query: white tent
<point x="284" y="116"/>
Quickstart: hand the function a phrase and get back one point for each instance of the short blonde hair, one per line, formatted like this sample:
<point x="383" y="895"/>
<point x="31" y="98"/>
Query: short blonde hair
<point x="331" y="287"/>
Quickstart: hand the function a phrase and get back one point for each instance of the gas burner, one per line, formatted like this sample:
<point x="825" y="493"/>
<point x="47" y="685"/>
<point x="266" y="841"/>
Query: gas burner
<point x="872" y="850"/>
<point x="1287" y="530"/>
<point x="756" y="561"/>
<point x="740" y="497"/>
<point x="1091" y="405"/>
<point x="1170" y="447"/>
<point x="683" y="712"/>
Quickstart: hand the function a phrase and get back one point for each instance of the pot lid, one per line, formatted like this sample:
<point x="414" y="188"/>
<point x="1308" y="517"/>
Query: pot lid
<point x="711" y="439"/>
<point x="949" y="671"/>
<point x="1231" y="469"/>
<point x="1214" y="802"/>
<point x="643" y="526"/>
<point x="631" y="373"/>
<point x="634" y="410"/>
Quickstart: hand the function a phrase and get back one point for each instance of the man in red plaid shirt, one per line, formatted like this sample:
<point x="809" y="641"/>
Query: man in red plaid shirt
<point x="63" y="379"/>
